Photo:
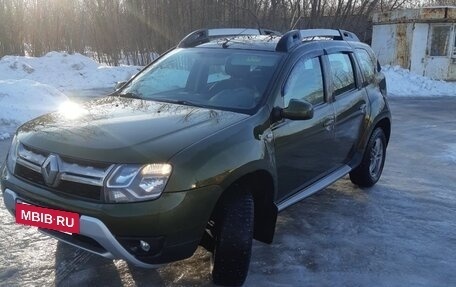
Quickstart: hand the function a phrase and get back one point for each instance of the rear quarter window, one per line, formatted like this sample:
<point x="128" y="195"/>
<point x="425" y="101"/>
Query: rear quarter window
<point x="367" y="65"/>
<point x="343" y="78"/>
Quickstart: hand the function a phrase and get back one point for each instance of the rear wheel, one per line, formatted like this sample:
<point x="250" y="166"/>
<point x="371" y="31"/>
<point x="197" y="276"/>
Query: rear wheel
<point x="233" y="240"/>
<point x="371" y="167"/>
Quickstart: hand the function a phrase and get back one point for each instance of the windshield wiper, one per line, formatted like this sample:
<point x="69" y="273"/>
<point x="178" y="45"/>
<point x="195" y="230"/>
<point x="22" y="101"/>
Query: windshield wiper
<point x="130" y="95"/>
<point x="181" y="102"/>
<point x="173" y="101"/>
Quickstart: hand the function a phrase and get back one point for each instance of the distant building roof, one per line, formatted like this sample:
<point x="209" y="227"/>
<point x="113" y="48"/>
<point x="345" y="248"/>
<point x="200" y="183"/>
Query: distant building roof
<point x="439" y="14"/>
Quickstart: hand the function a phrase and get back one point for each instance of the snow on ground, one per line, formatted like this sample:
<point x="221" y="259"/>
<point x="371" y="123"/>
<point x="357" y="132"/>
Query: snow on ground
<point x="402" y="83"/>
<point x="31" y="86"/>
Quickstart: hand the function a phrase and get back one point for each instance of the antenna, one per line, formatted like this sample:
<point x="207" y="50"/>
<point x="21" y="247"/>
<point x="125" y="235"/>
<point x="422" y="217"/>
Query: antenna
<point x="257" y="21"/>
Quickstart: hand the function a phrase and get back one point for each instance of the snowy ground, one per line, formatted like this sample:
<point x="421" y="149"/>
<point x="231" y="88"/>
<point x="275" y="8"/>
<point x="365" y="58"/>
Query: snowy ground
<point x="31" y="86"/>
<point x="401" y="232"/>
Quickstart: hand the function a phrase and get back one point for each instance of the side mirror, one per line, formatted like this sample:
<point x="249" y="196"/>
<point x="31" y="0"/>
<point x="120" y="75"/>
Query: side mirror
<point x="298" y="110"/>
<point x="119" y="85"/>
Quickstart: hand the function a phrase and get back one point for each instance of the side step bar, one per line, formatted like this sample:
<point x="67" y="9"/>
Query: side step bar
<point x="319" y="185"/>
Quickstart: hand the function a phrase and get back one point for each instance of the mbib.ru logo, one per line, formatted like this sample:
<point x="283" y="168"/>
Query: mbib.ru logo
<point x="47" y="218"/>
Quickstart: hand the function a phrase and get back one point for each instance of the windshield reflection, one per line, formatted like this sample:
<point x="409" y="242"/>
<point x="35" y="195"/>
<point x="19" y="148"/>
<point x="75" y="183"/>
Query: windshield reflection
<point x="210" y="78"/>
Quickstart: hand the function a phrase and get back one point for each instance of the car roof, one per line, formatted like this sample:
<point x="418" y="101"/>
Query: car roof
<point x="248" y="42"/>
<point x="266" y="40"/>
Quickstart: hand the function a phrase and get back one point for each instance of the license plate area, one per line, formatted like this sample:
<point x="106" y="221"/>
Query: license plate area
<point x="31" y="215"/>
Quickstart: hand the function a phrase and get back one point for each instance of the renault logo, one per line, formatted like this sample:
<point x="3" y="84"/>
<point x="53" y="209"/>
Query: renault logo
<point x="50" y="170"/>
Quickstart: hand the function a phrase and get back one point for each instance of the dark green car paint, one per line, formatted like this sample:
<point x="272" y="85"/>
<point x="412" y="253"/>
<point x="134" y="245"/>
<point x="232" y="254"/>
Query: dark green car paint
<point x="123" y="130"/>
<point x="166" y="217"/>
<point x="209" y="150"/>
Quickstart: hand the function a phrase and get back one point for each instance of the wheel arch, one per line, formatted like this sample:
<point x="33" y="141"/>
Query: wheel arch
<point x="385" y="125"/>
<point x="261" y="184"/>
<point x="382" y="121"/>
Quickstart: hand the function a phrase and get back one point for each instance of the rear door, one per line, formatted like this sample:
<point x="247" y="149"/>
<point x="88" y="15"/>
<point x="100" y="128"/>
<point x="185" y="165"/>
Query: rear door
<point x="350" y="103"/>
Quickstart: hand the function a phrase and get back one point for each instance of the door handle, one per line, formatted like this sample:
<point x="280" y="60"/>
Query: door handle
<point x="362" y="108"/>
<point x="329" y="124"/>
<point x="268" y="136"/>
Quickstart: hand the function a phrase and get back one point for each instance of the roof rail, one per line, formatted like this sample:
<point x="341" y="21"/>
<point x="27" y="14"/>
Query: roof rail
<point x="349" y="36"/>
<point x="270" y="32"/>
<point x="295" y="37"/>
<point x="201" y="36"/>
<point x="289" y="40"/>
<point x="330" y="33"/>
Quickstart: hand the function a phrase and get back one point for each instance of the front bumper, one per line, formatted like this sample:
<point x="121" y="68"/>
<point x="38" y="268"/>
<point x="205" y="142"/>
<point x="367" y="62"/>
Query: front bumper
<point x="173" y="224"/>
<point x="90" y="227"/>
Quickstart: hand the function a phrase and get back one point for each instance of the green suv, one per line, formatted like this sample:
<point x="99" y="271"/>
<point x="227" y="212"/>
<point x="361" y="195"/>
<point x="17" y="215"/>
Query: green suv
<point x="203" y="147"/>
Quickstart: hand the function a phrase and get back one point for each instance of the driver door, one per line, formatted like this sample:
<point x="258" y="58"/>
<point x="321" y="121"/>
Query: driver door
<point x="304" y="148"/>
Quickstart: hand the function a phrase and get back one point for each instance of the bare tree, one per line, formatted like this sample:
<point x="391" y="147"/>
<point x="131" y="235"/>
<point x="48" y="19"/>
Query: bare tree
<point x="132" y="31"/>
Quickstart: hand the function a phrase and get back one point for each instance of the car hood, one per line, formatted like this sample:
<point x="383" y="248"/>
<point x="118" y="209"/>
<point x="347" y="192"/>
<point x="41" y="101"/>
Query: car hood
<point x="123" y="130"/>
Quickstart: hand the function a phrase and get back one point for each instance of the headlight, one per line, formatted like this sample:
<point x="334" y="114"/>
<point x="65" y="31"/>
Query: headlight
<point x="129" y="183"/>
<point x="12" y="155"/>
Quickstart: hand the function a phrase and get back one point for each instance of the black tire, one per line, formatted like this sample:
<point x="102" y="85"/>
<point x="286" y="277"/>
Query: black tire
<point x="233" y="240"/>
<point x="371" y="167"/>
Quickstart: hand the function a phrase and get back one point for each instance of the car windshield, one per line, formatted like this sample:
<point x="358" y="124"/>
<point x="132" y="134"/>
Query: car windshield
<point x="214" y="78"/>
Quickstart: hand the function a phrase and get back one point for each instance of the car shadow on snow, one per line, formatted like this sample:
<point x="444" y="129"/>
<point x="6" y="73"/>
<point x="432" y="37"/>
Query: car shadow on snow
<point x="304" y="231"/>
<point x="76" y="267"/>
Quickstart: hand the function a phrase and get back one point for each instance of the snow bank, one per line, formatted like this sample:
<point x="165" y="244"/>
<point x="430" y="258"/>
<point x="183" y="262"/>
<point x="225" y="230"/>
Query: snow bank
<point x="402" y="83"/>
<point x="22" y="100"/>
<point x="30" y="87"/>
<point x="64" y="71"/>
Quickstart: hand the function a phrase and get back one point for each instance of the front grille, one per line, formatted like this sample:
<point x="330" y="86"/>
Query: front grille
<point x="28" y="174"/>
<point x="79" y="178"/>
<point x="80" y="189"/>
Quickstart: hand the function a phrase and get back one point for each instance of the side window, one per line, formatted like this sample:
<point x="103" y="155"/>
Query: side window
<point x="305" y="82"/>
<point x="342" y="75"/>
<point x="366" y="64"/>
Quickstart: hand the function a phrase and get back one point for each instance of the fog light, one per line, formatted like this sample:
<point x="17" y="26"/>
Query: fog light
<point x="144" y="246"/>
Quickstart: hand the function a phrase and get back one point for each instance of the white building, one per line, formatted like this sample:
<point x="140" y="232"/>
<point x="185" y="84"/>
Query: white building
<point x="422" y="40"/>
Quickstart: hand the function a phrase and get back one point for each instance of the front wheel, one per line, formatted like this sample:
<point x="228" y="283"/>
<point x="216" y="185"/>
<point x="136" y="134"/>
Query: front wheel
<point x="371" y="167"/>
<point x="233" y="240"/>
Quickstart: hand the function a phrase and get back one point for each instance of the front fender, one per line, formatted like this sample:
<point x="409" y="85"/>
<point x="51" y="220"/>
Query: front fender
<point x="225" y="156"/>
